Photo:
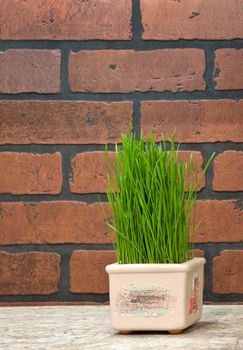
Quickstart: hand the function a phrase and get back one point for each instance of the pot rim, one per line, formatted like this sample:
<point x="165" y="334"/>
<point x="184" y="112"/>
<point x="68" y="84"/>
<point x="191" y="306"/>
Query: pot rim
<point x="187" y="266"/>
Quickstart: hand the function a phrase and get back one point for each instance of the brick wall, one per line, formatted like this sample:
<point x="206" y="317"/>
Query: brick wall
<point x="73" y="75"/>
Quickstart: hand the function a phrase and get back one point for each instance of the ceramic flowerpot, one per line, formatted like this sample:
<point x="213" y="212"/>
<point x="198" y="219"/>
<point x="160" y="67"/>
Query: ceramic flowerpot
<point x="156" y="296"/>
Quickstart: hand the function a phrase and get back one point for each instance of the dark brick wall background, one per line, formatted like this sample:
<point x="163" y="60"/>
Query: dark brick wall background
<point x="72" y="76"/>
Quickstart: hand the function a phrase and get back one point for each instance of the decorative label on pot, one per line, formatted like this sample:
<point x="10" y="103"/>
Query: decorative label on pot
<point x="153" y="301"/>
<point x="194" y="298"/>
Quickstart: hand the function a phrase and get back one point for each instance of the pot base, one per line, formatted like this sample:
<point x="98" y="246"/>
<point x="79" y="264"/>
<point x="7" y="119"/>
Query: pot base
<point x="176" y="331"/>
<point x="125" y="332"/>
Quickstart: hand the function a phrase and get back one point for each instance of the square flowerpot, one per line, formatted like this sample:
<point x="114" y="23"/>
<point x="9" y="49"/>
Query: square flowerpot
<point x="156" y="296"/>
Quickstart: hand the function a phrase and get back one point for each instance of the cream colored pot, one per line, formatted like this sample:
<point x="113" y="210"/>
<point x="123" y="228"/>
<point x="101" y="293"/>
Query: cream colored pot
<point x="156" y="296"/>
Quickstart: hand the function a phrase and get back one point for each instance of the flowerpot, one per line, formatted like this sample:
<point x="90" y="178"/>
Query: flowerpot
<point x="156" y="296"/>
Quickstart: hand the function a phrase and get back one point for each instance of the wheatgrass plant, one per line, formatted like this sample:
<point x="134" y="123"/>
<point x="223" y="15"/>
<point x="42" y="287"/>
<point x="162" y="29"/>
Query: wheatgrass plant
<point x="152" y="195"/>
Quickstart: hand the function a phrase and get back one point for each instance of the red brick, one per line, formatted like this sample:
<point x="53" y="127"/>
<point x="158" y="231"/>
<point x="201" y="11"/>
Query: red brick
<point x="228" y="69"/>
<point x="228" y="272"/>
<point x="27" y="173"/>
<point x="90" y="173"/>
<point x="228" y="171"/>
<point x="51" y="303"/>
<point x="66" y="20"/>
<point x="128" y="70"/>
<point x="199" y="253"/>
<point x="29" y="273"/>
<point x="30" y="71"/>
<point x="195" y="121"/>
<point x="54" y="222"/>
<point x="221" y="221"/>
<point x="207" y="19"/>
<point x="87" y="271"/>
<point x="64" y="122"/>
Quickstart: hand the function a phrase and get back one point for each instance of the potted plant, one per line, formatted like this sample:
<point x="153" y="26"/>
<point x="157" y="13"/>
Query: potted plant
<point x="156" y="283"/>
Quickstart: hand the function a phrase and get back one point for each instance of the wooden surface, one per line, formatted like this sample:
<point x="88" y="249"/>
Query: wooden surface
<point x="88" y="327"/>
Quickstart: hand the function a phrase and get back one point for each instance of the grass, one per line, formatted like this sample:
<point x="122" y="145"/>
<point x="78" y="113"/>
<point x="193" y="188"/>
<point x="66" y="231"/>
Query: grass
<point x="152" y="195"/>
